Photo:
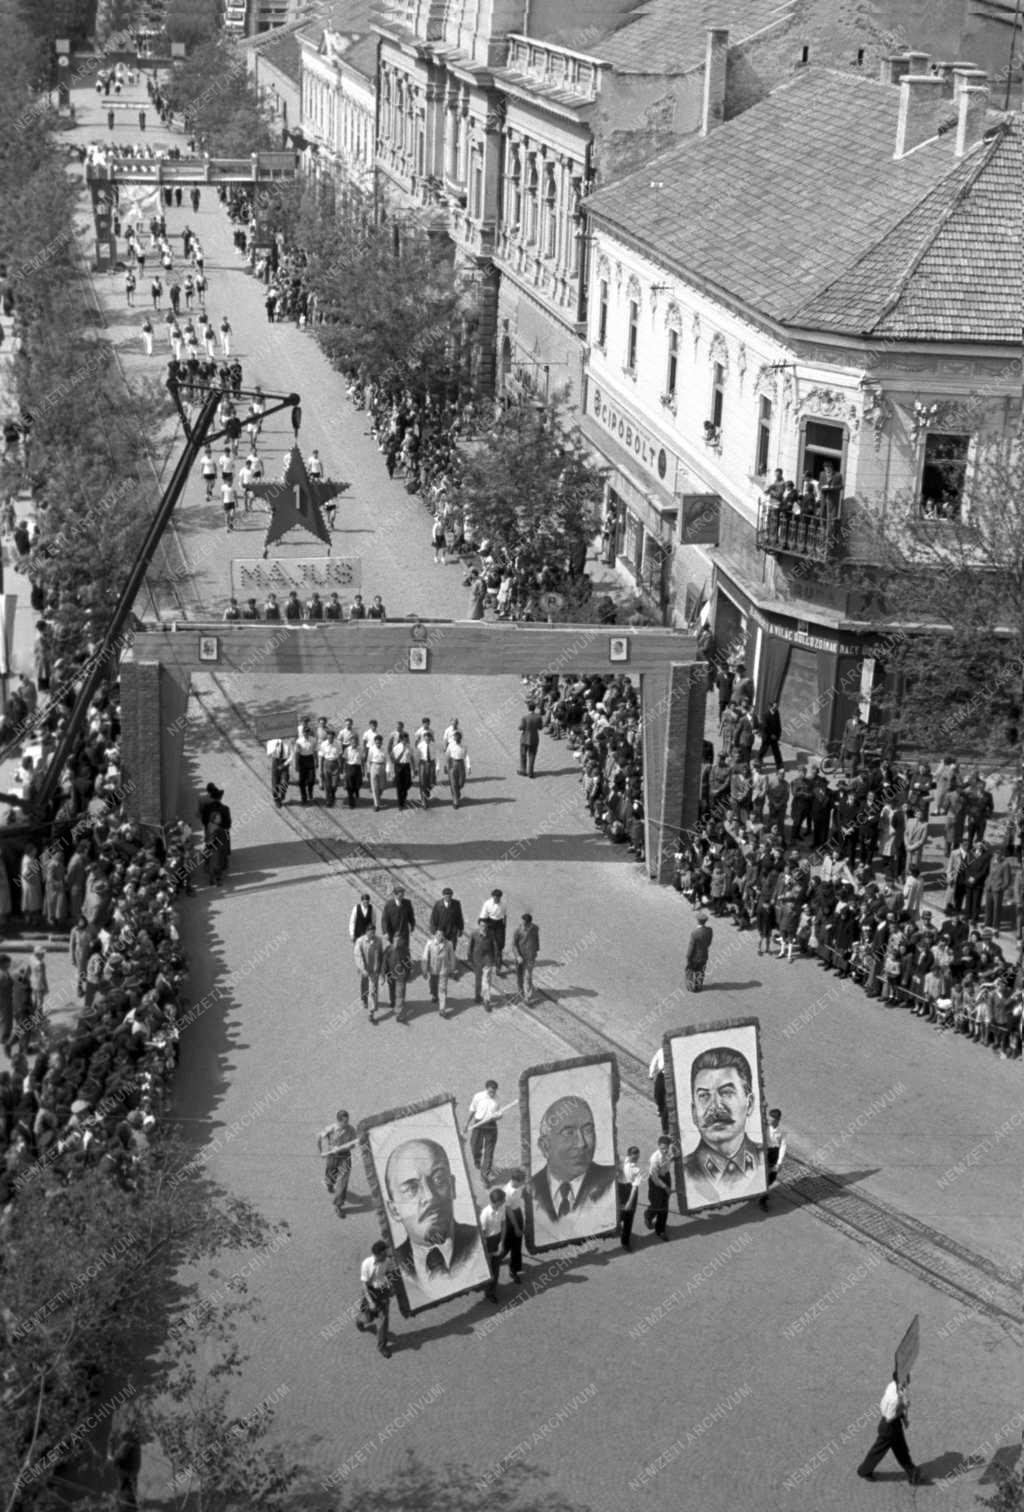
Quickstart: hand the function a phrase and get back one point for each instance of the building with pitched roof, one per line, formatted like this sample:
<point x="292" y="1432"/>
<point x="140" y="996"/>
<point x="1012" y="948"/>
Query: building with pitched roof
<point x="828" y="285"/>
<point x="339" y="94"/>
<point x="273" y="60"/>
<point x="502" y="116"/>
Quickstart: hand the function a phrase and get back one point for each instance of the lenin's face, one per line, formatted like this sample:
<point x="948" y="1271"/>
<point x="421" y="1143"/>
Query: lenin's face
<point x="721" y="1106"/>
<point x="570" y="1139"/>
<point x="421" y="1190"/>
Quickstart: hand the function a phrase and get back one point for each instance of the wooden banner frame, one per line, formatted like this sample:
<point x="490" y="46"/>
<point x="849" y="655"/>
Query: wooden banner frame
<point x="376" y="1185"/>
<point x="574" y="1063"/>
<point x="689" y="1031"/>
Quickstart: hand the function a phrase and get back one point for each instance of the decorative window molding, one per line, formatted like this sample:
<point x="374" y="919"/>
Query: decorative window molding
<point x="674" y="317"/>
<point x="633" y="289"/>
<point x="719" y="352"/>
<point x="766" y="383"/>
<point x="831" y="404"/>
<point x="604" y="269"/>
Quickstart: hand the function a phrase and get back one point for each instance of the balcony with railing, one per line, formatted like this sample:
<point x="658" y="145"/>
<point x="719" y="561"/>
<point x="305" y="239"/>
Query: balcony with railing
<point x="812" y="537"/>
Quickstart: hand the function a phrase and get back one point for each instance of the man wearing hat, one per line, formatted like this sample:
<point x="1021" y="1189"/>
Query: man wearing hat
<point x="446" y="916"/>
<point x="698" y="950"/>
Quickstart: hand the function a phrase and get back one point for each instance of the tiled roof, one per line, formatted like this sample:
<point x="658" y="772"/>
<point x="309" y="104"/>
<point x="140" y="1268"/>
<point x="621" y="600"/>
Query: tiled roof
<point x="779" y="207"/>
<point x="670" y="36"/>
<point x="953" y="268"/>
<point x="284" y="54"/>
<point x="351" y="18"/>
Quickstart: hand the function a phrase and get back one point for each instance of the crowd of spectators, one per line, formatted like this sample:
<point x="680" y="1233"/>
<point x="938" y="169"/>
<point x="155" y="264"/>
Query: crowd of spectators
<point x="88" y="1094"/>
<point x="831" y="866"/>
<point x="600" y="720"/>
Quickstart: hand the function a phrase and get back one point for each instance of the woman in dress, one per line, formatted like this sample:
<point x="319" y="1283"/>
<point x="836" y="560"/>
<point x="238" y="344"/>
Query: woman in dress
<point x="31" y="888"/>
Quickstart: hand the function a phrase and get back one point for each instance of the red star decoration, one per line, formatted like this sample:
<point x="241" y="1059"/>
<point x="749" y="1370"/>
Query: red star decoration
<point x="297" y="500"/>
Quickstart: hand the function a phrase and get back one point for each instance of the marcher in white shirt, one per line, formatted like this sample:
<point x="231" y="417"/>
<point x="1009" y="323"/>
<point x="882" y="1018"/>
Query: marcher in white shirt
<point x="482" y="1128"/>
<point x="493" y="1224"/>
<point x="456" y="763"/>
<point x="775" y="1151"/>
<point x="895" y="1412"/>
<point x="495" y="910"/>
<point x="376" y="769"/>
<point x="629" y="1193"/>
<point x="656" y="1076"/>
<point x="515" y="1209"/>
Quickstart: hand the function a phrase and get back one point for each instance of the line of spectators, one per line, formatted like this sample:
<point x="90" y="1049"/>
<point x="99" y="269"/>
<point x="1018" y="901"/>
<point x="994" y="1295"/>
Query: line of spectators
<point x="91" y="1094"/>
<point x="863" y="914"/>
<point x="600" y="720"/>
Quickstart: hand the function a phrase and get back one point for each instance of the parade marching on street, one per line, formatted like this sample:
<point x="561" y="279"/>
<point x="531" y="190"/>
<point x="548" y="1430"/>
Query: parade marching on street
<point x="419" y="893"/>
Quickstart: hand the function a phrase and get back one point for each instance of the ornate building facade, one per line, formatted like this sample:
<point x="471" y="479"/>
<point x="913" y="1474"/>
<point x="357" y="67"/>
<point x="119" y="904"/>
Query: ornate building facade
<point x="869" y="356"/>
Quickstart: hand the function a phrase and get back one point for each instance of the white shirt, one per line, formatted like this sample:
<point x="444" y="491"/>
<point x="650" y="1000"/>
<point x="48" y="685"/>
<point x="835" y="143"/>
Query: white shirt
<point x="315" y="467"/>
<point x="482" y="1108"/>
<point x="657" y="1063"/>
<point x="455" y="751"/>
<point x="894" y="1402"/>
<point x="450" y="732"/>
<point x="513" y="1197"/>
<point x="492" y="1221"/>
<point x="368" y="737"/>
<point x="494" y="908"/>
<point x="374" y="1272"/>
<point x="777" y="1141"/>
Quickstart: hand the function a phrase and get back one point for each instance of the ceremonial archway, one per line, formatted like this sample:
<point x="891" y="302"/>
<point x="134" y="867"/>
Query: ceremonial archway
<point x="155" y="678"/>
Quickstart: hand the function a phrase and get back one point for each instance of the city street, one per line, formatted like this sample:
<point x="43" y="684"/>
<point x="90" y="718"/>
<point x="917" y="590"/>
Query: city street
<point x="739" y="1364"/>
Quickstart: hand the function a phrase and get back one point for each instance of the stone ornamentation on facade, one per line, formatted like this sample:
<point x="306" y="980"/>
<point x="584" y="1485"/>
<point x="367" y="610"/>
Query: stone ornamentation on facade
<point x="696" y="331"/>
<point x="741" y="362"/>
<point x="830" y="402"/>
<point x="766" y="382"/>
<point x="719" y="352"/>
<point x="877" y="414"/>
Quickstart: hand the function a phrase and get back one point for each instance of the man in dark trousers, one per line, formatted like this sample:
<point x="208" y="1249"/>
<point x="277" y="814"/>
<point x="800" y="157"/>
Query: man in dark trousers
<point x="398" y="919"/>
<point x="446" y="916"/>
<point x="529" y="740"/>
<point x="771" y="734"/>
<point x="895" y="1410"/>
<point x="698" y="950"/>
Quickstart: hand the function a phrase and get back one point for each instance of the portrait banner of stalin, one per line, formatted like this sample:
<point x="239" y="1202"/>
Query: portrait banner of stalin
<point x="714" y="1084"/>
<point x="567" y="1114"/>
<point x="416" y="1168"/>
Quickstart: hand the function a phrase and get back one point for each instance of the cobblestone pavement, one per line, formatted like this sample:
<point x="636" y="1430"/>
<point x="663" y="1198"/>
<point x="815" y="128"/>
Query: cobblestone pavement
<point x="740" y="1363"/>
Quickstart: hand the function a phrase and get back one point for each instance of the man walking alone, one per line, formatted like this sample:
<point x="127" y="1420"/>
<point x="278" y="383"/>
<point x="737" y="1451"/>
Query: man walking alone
<point x="529" y="740"/>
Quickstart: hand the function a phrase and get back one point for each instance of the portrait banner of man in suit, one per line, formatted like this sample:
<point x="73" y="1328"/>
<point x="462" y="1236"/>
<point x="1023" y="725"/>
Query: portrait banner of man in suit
<point x="417" y="1171"/>
<point x="567" y="1112"/>
<point x="714" y="1084"/>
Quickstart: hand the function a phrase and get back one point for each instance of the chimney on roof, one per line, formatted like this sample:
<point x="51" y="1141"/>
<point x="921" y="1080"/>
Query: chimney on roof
<point x="966" y="75"/>
<point x="920" y="98"/>
<point x="893" y="68"/>
<point x="715" y="59"/>
<point x="918" y="63"/>
<point x="972" y="103"/>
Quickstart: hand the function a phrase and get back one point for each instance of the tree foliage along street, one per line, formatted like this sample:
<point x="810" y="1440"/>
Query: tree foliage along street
<point x="956" y="585"/>
<point x="390" y="304"/>
<point x="212" y="91"/>
<point x="90" y="1284"/>
<point x="530" y="489"/>
<point x="85" y="461"/>
<point x="192" y="21"/>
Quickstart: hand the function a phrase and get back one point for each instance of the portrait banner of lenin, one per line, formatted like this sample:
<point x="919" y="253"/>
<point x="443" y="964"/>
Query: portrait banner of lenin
<point x="567" y="1114"/>
<point x="713" y="1084"/>
<point x="416" y="1169"/>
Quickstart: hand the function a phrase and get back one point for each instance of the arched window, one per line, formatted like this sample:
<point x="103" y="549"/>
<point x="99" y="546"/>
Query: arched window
<point x="532" y="200"/>
<point x="514" y="189"/>
<point x="550" y="212"/>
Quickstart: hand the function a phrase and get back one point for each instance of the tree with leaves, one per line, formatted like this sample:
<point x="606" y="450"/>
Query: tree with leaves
<point x="389" y="301"/>
<point x="945" y="582"/>
<point x="86" y="1262"/>
<point x="528" y="487"/>
<point x="192" y="21"/>
<point x="214" y="93"/>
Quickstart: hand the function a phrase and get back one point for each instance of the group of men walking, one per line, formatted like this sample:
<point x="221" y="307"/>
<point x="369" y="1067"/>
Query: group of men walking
<point x="382" y="951"/>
